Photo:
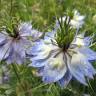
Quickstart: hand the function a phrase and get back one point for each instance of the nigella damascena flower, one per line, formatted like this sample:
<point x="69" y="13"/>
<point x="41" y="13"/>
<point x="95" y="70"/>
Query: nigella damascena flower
<point x="76" y="21"/>
<point x="59" y="64"/>
<point x="13" y="45"/>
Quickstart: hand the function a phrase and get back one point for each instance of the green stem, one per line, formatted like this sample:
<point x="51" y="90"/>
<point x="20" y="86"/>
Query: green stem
<point x="93" y="44"/>
<point x="19" y="80"/>
<point x="14" y="68"/>
<point x="11" y="5"/>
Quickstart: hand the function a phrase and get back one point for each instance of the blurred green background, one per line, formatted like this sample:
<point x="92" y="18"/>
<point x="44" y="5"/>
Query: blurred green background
<point x="43" y="14"/>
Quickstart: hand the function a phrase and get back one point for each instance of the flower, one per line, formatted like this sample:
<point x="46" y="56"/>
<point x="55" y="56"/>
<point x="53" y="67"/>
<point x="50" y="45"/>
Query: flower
<point x="76" y="21"/>
<point x="61" y="64"/>
<point x="13" y="45"/>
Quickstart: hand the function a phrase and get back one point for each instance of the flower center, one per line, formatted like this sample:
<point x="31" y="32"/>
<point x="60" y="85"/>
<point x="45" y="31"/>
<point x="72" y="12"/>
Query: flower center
<point x="15" y="34"/>
<point x="65" y="34"/>
<point x="65" y="47"/>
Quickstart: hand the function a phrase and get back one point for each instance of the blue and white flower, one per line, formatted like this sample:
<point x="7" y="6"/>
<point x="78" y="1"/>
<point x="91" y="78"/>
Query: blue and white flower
<point x="57" y="64"/>
<point x="13" y="45"/>
<point x="76" y="22"/>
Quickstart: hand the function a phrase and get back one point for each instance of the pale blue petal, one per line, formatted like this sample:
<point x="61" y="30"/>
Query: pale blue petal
<point x="42" y="50"/>
<point x="87" y="41"/>
<point x="5" y="50"/>
<point x="25" y="29"/>
<point x="75" y="66"/>
<point x="40" y="56"/>
<point x="2" y="37"/>
<point x="89" y="71"/>
<point x="38" y="62"/>
<point x="49" y="35"/>
<point x="10" y="58"/>
<point x="36" y="34"/>
<point x="90" y="54"/>
<point x="79" y="76"/>
<point x="15" y="57"/>
<point x="54" y="70"/>
<point x="43" y="53"/>
<point x="17" y="54"/>
<point x="36" y="48"/>
<point x="26" y="43"/>
<point x="65" y="80"/>
<point x="3" y="42"/>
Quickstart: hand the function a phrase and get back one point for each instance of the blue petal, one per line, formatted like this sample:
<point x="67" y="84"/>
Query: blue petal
<point x="3" y="43"/>
<point x="87" y="41"/>
<point x="41" y="52"/>
<point x="3" y="38"/>
<point x="15" y="57"/>
<point x="49" y="35"/>
<point x="25" y="29"/>
<point x="65" y="80"/>
<point x="90" y="54"/>
<point x="37" y="47"/>
<point x="39" y="60"/>
<point x="89" y="71"/>
<point x="79" y="76"/>
<point x="17" y="54"/>
<point x="10" y="58"/>
<point x="76" y="67"/>
<point x="54" y="70"/>
<point x="38" y="63"/>
<point x="5" y="50"/>
<point x="36" y="34"/>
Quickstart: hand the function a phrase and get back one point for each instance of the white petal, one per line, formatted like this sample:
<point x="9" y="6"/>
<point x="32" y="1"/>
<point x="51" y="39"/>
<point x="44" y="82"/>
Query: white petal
<point x="78" y="20"/>
<point x="76" y="67"/>
<point x="79" y="40"/>
<point x="54" y="69"/>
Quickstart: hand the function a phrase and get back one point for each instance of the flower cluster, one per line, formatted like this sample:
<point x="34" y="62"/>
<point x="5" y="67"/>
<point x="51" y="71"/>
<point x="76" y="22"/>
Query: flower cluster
<point x="61" y="55"/>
